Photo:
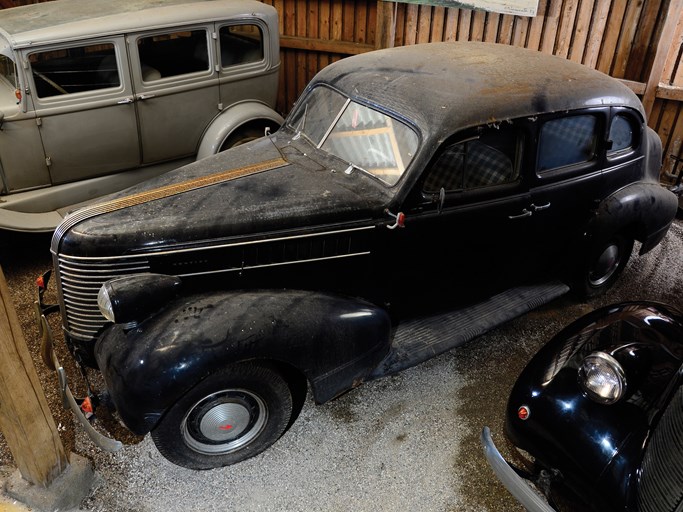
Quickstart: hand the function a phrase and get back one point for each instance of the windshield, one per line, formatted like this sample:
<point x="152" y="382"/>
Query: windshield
<point x="365" y="138"/>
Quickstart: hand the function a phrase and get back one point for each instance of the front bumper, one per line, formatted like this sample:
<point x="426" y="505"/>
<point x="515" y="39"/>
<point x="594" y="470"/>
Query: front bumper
<point x="514" y="483"/>
<point x="50" y="359"/>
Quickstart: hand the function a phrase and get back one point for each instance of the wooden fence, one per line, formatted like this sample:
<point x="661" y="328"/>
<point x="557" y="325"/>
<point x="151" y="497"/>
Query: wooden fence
<point x="639" y="42"/>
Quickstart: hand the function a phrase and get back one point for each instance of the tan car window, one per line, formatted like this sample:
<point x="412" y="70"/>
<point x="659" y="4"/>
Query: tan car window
<point x="240" y="44"/>
<point x="8" y="70"/>
<point x="174" y="54"/>
<point x="75" y="69"/>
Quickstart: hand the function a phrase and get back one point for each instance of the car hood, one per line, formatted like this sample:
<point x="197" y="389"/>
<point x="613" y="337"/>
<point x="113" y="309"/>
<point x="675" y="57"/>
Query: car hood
<point x="253" y="191"/>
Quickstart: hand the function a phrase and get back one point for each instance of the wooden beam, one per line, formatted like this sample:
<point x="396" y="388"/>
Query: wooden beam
<point x="663" y="47"/>
<point x="324" y="45"/>
<point x="25" y="418"/>
<point x="637" y="87"/>
<point x="669" y="92"/>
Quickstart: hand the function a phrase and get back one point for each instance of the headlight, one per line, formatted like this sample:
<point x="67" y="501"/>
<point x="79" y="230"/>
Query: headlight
<point x="602" y="378"/>
<point x="129" y="300"/>
<point x="104" y="303"/>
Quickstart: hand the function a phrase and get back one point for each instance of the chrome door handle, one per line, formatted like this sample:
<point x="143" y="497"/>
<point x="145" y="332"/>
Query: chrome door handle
<point x="145" y="96"/>
<point x="539" y="208"/>
<point x="525" y="213"/>
<point x="125" y="101"/>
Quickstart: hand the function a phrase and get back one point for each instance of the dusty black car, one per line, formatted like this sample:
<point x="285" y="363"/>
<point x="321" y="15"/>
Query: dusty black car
<point x="600" y="411"/>
<point x="415" y="198"/>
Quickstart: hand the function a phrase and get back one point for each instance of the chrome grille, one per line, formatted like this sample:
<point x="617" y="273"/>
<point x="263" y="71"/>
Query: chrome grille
<point x="80" y="279"/>
<point x="661" y="482"/>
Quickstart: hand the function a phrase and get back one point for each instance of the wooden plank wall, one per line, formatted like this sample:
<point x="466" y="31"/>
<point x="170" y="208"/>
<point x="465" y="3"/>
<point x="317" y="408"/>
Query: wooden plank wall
<point x="667" y="115"/>
<point x="614" y="36"/>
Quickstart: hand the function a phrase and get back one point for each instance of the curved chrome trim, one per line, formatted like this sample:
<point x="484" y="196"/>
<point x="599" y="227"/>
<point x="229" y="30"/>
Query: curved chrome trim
<point x="160" y="193"/>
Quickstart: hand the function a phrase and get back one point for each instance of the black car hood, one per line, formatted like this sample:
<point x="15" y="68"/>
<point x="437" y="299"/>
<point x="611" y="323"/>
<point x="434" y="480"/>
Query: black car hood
<point x="252" y="191"/>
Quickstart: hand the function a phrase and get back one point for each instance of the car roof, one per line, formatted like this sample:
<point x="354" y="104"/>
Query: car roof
<point x="67" y="20"/>
<point x="443" y="87"/>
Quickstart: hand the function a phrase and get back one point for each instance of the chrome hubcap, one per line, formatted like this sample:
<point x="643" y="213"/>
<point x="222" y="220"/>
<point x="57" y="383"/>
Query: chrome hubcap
<point x="224" y="421"/>
<point x="605" y="266"/>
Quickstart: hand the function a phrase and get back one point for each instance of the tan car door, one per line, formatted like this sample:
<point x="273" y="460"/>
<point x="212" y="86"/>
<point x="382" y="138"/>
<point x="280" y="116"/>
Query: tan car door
<point x="176" y="89"/>
<point x="84" y="107"/>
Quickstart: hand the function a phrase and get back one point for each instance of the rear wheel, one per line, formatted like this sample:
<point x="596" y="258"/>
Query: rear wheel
<point x="231" y="415"/>
<point x="604" y="265"/>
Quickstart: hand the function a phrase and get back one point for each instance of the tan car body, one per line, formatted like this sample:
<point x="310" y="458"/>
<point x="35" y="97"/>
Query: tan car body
<point x="84" y="113"/>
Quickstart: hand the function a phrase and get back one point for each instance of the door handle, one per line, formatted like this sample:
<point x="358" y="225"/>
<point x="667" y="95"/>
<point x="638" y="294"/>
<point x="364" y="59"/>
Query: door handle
<point x="125" y="101"/>
<point x="539" y="208"/>
<point x="145" y="96"/>
<point x="525" y="213"/>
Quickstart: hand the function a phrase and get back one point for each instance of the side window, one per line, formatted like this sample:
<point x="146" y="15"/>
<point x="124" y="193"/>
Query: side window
<point x="622" y="134"/>
<point x="240" y="44"/>
<point x="8" y="71"/>
<point x="76" y="69"/>
<point x="567" y="141"/>
<point x="173" y="54"/>
<point x="483" y="162"/>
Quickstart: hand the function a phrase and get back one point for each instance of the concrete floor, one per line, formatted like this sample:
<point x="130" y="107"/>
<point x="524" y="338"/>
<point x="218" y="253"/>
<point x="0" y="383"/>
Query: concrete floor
<point x="407" y="442"/>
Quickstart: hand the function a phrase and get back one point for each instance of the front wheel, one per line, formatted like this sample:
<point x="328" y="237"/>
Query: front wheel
<point x="604" y="265"/>
<point x="230" y="416"/>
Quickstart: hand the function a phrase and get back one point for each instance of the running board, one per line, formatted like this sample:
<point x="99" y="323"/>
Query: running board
<point x="420" y="339"/>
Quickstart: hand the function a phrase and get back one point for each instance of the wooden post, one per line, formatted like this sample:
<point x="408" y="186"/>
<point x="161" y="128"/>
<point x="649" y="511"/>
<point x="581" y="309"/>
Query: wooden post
<point x="25" y="418"/>
<point x="663" y="47"/>
<point x="386" y="25"/>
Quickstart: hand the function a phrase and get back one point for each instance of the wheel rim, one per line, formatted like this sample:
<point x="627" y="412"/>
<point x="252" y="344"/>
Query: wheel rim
<point x="224" y="421"/>
<point x="605" y="266"/>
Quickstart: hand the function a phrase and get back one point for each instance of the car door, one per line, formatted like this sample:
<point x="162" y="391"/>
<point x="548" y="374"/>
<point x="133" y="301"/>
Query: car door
<point x="568" y="183"/>
<point x="82" y="96"/>
<point x="466" y="227"/>
<point x="176" y="89"/>
<point x="248" y="70"/>
<point x="21" y="150"/>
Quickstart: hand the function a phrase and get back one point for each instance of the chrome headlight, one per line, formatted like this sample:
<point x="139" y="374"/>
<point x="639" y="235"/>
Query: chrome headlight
<point x="129" y="300"/>
<point x="104" y="303"/>
<point x="602" y="378"/>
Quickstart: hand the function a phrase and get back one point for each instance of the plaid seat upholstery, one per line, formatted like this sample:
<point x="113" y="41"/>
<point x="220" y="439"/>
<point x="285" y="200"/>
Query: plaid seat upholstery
<point x="566" y="141"/>
<point x="485" y="166"/>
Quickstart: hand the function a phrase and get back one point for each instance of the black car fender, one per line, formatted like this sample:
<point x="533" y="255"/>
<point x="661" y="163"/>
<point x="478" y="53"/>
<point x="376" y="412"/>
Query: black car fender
<point x="641" y="211"/>
<point x="597" y="448"/>
<point x="334" y="341"/>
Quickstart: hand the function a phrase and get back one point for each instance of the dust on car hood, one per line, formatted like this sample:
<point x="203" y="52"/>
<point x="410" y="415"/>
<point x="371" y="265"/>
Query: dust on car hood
<point x="254" y="190"/>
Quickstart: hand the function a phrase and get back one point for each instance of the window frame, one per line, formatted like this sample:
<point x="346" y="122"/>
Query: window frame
<point x="518" y="127"/>
<point x="594" y="165"/>
<point x="80" y="96"/>
<point x="613" y="156"/>
<point x="174" y="80"/>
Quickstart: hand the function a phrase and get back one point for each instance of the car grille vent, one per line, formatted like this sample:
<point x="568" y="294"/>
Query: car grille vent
<point x="80" y="280"/>
<point x="661" y="481"/>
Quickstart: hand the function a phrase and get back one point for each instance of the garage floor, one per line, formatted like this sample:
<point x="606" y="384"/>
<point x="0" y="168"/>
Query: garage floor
<point x="407" y="442"/>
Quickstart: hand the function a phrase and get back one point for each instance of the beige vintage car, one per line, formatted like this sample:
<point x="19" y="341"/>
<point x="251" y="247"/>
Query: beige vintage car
<point x="97" y="95"/>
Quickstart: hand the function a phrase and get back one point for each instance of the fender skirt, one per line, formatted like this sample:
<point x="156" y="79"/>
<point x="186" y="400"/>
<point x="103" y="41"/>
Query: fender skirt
<point x="648" y="207"/>
<point x="334" y="341"/>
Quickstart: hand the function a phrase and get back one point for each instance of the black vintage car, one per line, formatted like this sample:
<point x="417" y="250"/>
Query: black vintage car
<point x="600" y="411"/>
<point x="415" y="198"/>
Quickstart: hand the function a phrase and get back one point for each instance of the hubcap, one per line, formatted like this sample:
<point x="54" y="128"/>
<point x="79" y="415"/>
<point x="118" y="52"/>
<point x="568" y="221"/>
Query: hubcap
<point x="224" y="421"/>
<point x="605" y="266"/>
